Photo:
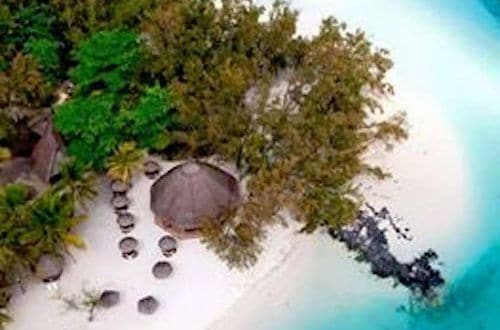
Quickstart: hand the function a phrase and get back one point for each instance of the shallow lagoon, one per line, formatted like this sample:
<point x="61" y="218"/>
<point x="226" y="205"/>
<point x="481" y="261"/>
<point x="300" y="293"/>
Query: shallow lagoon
<point x="449" y="50"/>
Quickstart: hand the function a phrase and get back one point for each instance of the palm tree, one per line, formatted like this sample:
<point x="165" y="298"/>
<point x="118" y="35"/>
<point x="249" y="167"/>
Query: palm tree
<point x="77" y="182"/>
<point x="126" y="160"/>
<point x="50" y="222"/>
<point x="13" y="214"/>
<point x="12" y="197"/>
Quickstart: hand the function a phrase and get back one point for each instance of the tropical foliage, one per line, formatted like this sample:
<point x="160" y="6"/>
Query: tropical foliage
<point x="210" y="57"/>
<point x="22" y="89"/>
<point x="295" y="114"/>
<point x="150" y="120"/>
<point x="88" y="301"/>
<point x="105" y="111"/>
<point x="81" y="18"/>
<point x="188" y="78"/>
<point x="4" y="319"/>
<point x="107" y="62"/>
<point x="125" y="162"/>
<point x="51" y="217"/>
<point x="77" y="182"/>
<point x="30" y="228"/>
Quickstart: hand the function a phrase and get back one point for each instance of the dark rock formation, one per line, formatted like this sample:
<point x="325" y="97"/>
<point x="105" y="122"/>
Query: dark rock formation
<point x="368" y="239"/>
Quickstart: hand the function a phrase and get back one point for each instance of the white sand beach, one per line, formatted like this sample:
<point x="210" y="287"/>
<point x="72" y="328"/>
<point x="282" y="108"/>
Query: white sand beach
<point x="428" y="189"/>
<point x="200" y="289"/>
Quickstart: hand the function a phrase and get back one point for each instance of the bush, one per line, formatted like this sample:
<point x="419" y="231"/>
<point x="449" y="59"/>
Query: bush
<point x="106" y="109"/>
<point x="107" y="61"/>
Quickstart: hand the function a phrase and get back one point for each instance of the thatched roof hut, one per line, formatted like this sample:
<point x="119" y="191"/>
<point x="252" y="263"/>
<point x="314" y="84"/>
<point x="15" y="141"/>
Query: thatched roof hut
<point x="14" y="169"/>
<point x="191" y="192"/>
<point x="47" y="153"/>
<point x="43" y="161"/>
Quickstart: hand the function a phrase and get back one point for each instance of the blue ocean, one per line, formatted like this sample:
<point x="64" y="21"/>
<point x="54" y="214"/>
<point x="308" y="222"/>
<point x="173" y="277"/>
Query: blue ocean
<point x="449" y="49"/>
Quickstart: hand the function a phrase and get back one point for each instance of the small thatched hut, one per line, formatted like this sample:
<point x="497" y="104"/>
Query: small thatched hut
<point x="43" y="161"/>
<point x="47" y="153"/>
<point x="13" y="169"/>
<point x="191" y="192"/>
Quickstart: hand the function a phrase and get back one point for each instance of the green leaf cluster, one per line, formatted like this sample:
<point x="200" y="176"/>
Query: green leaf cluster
<point x="90" y="126"/>
<point x="210" y="57"/>
<point x="148" y="120"/>
<point x="31" y="227"/>
<point x="80" y="19"/>
<point x="31" y="29"/>
<point x="104" y="111"/>
<point x="107" y="61"/>
<point x="30" y="63"/>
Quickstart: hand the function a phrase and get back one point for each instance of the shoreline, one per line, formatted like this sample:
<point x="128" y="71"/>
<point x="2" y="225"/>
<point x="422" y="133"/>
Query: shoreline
<point x="287" y="270"/>
<point x="434" y="210"/>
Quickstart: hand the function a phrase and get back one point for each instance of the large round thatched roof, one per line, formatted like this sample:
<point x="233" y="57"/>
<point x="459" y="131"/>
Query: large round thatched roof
<point x="191" y="192"/>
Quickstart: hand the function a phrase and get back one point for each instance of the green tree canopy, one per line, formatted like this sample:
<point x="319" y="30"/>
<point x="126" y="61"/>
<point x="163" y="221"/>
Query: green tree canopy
<point x="296" y="115"/>
<point x="107" y="61"/>
<point x="148" y="121"/>
<point x="31" y="29"/>
<point x="211" y="57"/>
<point x="82" y="18"/>
<point x="89" y="124"/>
<point x="107" y="108"/>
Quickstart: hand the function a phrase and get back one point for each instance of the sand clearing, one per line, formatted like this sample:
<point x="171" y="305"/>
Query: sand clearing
<point x="199" y="290"/>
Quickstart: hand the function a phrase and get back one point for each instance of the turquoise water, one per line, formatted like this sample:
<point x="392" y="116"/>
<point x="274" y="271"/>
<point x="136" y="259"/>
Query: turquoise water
<point x="449" y="49"/>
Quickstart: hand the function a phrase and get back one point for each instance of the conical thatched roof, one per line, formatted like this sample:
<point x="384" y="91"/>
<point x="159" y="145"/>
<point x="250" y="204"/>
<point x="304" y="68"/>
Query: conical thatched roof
<point x="191" y="192"/>
<point x="47" y="153"/>
<point x="13" y="169"/>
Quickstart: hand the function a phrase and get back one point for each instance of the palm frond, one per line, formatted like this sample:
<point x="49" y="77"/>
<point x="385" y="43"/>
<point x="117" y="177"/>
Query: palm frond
<point x="125" y="162"/>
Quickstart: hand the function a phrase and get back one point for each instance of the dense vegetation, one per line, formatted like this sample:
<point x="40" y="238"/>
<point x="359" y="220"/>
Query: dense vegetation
<point x="31" y="226"/>
<point x="189" y="78"/>
<point x="109" y="105"/>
